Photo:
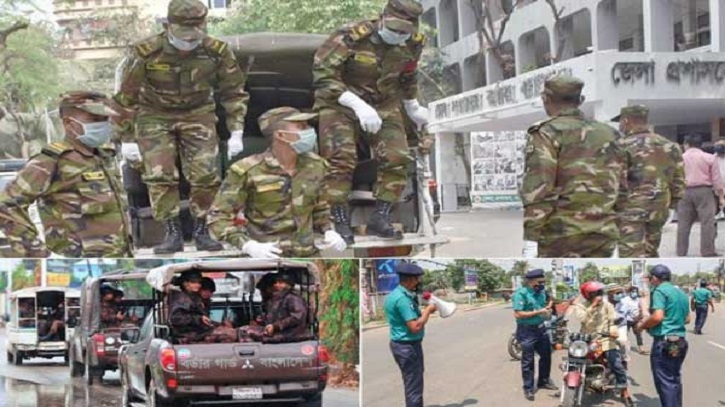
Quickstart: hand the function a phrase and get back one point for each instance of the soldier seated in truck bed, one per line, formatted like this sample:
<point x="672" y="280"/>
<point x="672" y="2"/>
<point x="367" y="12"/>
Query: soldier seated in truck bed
<point x="110" y="317"/>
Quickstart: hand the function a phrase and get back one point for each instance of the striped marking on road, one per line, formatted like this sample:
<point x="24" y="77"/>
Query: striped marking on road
<point x="717" y="345"/>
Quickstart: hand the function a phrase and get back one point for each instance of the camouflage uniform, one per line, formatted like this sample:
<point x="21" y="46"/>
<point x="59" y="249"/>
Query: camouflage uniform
<point x="655" y="184"/>
<point x="79" y="196"/>
<point x="277" y="206"/>
<point x="185" y="313"/>
<point x="108" y="314"/>
<point x="287" y="313"/>
<point x="172" y="93"/>
<point x="23" y="135"/>
<point x="355" y="59"/>
<point x="574" y="168"/>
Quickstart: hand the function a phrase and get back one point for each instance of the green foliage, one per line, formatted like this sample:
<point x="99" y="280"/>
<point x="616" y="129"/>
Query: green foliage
<point x="22" y="277"/>
<point x="3" y="281"/>
<point x="456" y="277"/>
<point x="339" y="309"/>
<point x="589" y="272"/>
<point x="436" y="280"/>
<point x="490" y="276"/>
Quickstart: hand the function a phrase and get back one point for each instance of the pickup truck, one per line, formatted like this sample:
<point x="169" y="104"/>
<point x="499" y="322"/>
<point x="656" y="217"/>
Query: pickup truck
<point x="279" y="68"/>
<point x="164" y="370"/>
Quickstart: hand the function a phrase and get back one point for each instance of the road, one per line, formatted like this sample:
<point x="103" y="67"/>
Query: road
<point x="467" y="365"/>
<point x="47" y="383"/>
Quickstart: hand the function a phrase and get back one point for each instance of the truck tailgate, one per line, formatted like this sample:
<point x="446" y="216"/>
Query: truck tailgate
<point x="247" y="363"/>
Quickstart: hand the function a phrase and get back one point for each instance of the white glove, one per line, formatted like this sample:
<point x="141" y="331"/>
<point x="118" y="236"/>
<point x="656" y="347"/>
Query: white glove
<point x="235" y="145"/>
<point x="531" y="250"/>
<point x="258" y="250"/>
<point x="333" y="240"/>
<point x="370" y="120"/>
<point x="417" y="113"/>
<point x="130" y="152"/>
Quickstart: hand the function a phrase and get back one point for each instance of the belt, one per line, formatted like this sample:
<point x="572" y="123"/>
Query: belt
<point x="531" y="327"/>
<point x="406" y="342"/>
<point x="698" y="186"/>
<point x="665" y="338"/>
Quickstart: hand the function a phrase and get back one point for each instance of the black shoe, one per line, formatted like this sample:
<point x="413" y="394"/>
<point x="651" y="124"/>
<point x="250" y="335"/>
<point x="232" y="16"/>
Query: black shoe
<point x="529" y="394"/>
<point x="379" y="223"/>
<point x="547" y="386"/>
<point x="341" y="218"/>
<point x="203" y="241"/>
<point x="628" y="402"/>
<point x="173" y="241"/>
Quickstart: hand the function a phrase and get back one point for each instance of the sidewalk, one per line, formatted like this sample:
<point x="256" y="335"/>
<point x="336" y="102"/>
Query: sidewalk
<point x="461" y="308"/>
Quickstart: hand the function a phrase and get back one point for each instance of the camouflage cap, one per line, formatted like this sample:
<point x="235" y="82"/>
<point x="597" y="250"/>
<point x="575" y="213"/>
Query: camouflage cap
<point x="632" y="111"/>
<point x="91" y="102"/>
<point x="186" y="18"/>
<point x="563" y="86"/>
<point x="271" y="117"/>
<point x="402" y="15"/>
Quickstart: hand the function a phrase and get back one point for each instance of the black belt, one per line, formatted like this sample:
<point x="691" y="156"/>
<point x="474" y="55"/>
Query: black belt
<point x="406" y="342"/>
<point x="532" y="327"/>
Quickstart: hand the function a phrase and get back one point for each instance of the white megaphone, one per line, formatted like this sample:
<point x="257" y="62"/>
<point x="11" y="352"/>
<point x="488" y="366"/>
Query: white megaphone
<point x="445" y="308"/>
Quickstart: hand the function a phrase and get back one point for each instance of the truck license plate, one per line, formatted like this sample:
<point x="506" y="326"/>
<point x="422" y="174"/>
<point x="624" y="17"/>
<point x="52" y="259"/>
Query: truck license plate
<point x="247" y="393"/>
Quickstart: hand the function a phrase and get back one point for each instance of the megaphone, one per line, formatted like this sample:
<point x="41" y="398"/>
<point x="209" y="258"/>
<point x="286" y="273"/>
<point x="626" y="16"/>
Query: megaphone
<point x="445" y="308"/>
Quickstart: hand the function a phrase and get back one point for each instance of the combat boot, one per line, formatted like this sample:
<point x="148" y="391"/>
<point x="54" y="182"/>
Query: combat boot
<point x="173" y="240"/>
<point x="203" y="241"/>
<point x="379" y="223"/>
<point x="342" y="223"/>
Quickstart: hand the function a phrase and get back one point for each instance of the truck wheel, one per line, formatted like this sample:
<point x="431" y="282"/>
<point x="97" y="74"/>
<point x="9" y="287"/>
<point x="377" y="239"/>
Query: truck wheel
<point x="18" y="359"/>
<point x="91" y="372"/>
<point x="314" y="401"/>
<point x="66" y="358"/>
<point x="514" y="347"/>
<point x="10" y="358"/>
<point x="154" y="400"/>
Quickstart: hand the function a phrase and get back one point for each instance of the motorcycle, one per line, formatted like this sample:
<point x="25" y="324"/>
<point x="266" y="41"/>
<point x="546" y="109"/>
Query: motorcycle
<point x="558" y="330"/>
<point x="585" y="368"/>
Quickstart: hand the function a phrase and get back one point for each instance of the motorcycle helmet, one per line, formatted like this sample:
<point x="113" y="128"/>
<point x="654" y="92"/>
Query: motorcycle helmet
<point x="591" y="289"/>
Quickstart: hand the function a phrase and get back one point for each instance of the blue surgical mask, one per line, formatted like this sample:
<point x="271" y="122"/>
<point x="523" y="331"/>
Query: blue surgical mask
<point x="391" y="37"/>
<point x="618" y="297"/>
<point x="306" y="143"/>
<point x="634" y="295"/>
<point x="182" y="45"/>
<point x="94" y="134"/>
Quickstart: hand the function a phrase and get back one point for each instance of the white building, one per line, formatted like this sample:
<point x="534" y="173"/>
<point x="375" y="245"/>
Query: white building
<point x="666" y="54"/>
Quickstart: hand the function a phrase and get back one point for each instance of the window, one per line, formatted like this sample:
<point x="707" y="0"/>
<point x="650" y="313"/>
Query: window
<point x="626" y="44"/>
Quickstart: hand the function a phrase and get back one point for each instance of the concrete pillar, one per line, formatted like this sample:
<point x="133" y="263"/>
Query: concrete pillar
<point x="493" y="69"/>
<point x="717" y="26"/>
<point x="658" y="25"/>
<point x="605" y="32"/>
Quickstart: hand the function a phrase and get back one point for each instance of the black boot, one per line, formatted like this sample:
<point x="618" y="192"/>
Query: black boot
<point x="342" y="223"/>
<point x="379" y="224"/>
<point x="173" y="241"/>
<point x="203" y="241"/>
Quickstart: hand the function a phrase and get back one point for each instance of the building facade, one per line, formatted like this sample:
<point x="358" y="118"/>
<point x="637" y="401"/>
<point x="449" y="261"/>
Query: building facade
<point x="666" y="54"/>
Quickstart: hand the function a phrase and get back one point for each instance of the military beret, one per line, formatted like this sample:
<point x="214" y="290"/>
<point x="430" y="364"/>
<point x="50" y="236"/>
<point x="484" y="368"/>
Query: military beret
<point x="271" y="117"/>
<point x="535" y="273"/>
<point x="634" y="110"/>
<point x="400" y="15"/>
<point x="409" y="269"/>
<point x="661" y="271"/>
<point x="563" y="86"/>
<point x="185" y="18"/>
<point x="91" y="102"/>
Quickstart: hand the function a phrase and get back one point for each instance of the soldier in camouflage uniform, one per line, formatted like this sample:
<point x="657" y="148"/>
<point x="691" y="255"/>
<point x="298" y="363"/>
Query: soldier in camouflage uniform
<point x="655" y="184"/>
<point x="362" y="75"/>
<point x="76" y="184"/>
<point x="280" y="192"/>
<point x="170" y="83"/>
<point x="286" y="318"/>
<point x="111" y="317"/>
<point x="574" y="169"/>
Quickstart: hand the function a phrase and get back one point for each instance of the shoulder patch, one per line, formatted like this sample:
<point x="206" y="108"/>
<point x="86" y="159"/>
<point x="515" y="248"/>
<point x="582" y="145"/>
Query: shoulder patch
<point x="148" y="47"/>
<point x="536" y="126"/>
<point x="57" y="148"/>
<point x="214" y="45"/>
<point x="360" y="31"/>
<point x="418" y="38"/>
<point x="242" y="166"/>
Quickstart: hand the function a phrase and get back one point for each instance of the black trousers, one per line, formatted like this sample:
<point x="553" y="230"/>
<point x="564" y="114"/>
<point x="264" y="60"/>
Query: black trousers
<point x="666" y="371"/>
<point x="409" y="357"/>
<point x="534" y="339"/>
<point x="700" y="317"/>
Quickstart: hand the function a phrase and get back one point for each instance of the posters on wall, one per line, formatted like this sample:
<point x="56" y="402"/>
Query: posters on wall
<point x="497" y="167"/>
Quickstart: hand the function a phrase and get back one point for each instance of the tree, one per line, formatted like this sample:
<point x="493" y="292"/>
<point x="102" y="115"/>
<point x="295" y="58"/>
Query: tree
<point x="520" y="268"/>
<point x="490" y="38"/>
<point x="589" y="272"/>
<point x="22" y="278"/>
<point x="490" y="276"/>
<point x="561" y="34"/>
<point x="456" y="277"/>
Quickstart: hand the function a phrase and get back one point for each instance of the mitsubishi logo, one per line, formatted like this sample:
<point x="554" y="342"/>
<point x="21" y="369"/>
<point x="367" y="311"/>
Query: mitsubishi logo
<point x="247" y="364"/>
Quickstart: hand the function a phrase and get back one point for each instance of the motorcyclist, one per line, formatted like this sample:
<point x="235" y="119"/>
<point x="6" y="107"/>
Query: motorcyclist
<point x="597" y="315"/>
<point x="616" y="296"/>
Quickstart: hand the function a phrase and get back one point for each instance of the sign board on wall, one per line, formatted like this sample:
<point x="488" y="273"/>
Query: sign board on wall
<point x="471" y="280"/>
<point x="387" y="277"/>
<point x="497" y="168"/>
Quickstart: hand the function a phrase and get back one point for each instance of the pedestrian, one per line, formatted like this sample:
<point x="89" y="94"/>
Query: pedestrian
<point x="655" y="184"/>
<point x="634" y="314"/>
<point x="531" y="310"/>
<point x="77" y="185"/>
<point x="362" y="75"/>
<point x="574" y="168"/>
<point x="720" y="158"/>
<point x="701" y="299"/>
<point x="666" y="325"/>
<point x="407" y="329"/>
<point x="702" y="176"/>
<point x="281" y="193"/>
<point x="171" y="82"/>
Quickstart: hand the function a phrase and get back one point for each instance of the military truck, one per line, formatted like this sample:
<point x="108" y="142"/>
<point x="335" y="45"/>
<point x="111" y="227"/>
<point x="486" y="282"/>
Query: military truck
<point x="279" y="68"/>
<point x="163" y="368"/>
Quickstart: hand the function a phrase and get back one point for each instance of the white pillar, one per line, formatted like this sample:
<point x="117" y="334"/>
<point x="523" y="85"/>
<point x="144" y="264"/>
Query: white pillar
<point x="605" y="31"/>
<point x="717" y="25"/>
<point x="658" y="25"/>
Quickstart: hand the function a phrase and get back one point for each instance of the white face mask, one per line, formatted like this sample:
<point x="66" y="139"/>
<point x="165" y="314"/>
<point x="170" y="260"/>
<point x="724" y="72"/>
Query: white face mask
<point x="391" y="37"/>
<point x="182" y="45"/>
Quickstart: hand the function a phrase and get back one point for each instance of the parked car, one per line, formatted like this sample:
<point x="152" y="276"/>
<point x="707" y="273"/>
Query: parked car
<point x="163" y="369"/>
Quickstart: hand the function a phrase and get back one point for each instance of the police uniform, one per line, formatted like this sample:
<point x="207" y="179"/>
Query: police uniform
<point x="669" y="346"/>
<point x="531" y="333"/>
<point x="701" y="297"/>
<point x="401" y="306"/>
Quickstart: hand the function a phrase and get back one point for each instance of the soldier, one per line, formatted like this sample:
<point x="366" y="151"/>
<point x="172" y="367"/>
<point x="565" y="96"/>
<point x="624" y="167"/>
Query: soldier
<point x="287" y="315"/>
<point x="280" y="192"/>
<point x="363" y="73"/>
<point x="655" y="184"/>
<point x="77" y="185"/>
<point x="208" y="287"/>
<point x="170" y="83"/>
<point x="111" y="317"/>
<point x="574" y="168"/>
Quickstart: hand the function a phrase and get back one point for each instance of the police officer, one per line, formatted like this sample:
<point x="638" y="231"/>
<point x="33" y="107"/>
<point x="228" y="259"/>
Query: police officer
<point x="574" y="169"/>
<point x="407" y="328"/>
<point x="669" y="314"/>
<point x="701" y="298"/>
<point x="531" y="310"/>
<point x="76" y="184"/>
<point x="280" y="192"/>
<point x="655" y="184"/>
<point x="170" y="82"/>
<point x="362" y="74"/>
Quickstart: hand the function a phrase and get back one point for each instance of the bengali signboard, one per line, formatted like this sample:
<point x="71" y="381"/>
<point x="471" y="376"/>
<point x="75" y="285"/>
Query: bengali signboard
<point x="58" y="279"/>
<point x="497" y="167"/>
<point x="471" y="280"/>
<point x="615" y="271"/>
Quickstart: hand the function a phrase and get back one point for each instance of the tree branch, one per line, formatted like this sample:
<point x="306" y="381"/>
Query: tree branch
<point x="4" y="34"/>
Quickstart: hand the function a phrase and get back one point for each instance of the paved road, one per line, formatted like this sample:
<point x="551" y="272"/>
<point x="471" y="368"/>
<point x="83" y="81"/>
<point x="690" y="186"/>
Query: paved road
<point x="47" y="383"/>
<point x="467" y="365"/>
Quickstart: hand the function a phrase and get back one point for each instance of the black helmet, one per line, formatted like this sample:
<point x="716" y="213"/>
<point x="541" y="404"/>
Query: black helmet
<point x="208" y="284"/>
